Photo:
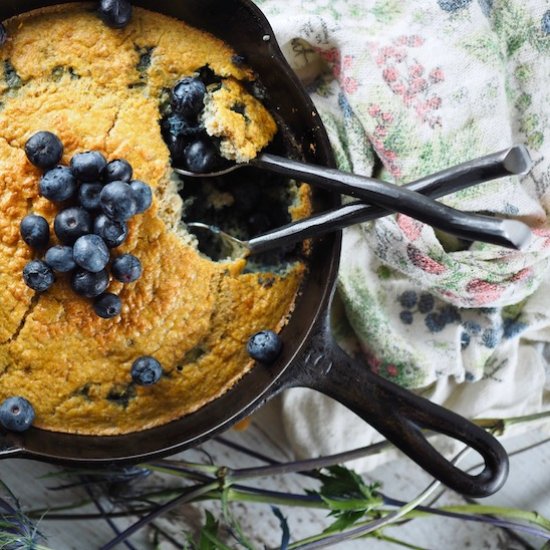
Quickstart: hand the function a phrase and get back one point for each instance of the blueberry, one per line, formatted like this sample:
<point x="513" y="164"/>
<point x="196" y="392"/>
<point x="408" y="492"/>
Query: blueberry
<point x="176" y="146"/>
<point x="408" y="299"/>
<point x="188" y="97"/>
<point x="176" y="125"/>
<point x="490" y="338"/>
<point x="265" y="346"/>
<point x="545" y="22"/>
<point x="434" y="322"/>
<point x="60" y="258"/>
<point x="44" y="149"/>
<point x="107" y="305"/>
<point x="118" y="201"/>
<point x="58" y="184"/>
<point x="238" y="60"/>
<point x="71" y="224"/>
<point x="465" y="339"/>
<point x="201" y="156"/>
<point x="113" y="233"/>
<point x="3" y="35"/>
<point x="143" y="195"/>
<point x="16" y="414"/>
<point x="453" y="5"/>
<point x="88" y="196"/>
<point x="146" y="371"/>
<point x="450" y="314"/>
<point x="35" y="231"/>
<point x="117" y="170"/>
<point x="88" y="166"/>
<point x="38" y="275"/>
<point x="91" y="253"/>
<point x="115" y="13"/>
<point x="90" y="285"/>
<point x="126" y="268"/>
<point x="426" y="302"/>
<point x="406" y="317"/>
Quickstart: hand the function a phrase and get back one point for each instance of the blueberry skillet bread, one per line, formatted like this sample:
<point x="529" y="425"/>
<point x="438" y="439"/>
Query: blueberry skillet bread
<point x="119" y="92"/>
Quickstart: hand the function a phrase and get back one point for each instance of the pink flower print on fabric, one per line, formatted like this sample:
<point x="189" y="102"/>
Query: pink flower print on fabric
<point x="341" y="68"/>
<point x="424" y="262"/>
<point x="379" y="139"/>
<point x="408" y="78"/>
<point x="483" y="292"/>
<point x="412" y="229"/>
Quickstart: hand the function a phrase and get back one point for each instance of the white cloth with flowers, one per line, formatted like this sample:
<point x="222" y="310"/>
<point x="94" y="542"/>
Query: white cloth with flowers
<point x="422" y="86"/>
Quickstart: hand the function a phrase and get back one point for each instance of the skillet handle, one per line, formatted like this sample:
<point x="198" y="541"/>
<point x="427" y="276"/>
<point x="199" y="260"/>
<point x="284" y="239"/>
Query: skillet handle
<point x="400" y="416"/>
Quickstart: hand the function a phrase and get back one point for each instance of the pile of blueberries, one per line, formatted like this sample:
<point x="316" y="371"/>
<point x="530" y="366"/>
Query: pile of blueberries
<point x="182" y="131"/>
<point x="97" y="200"/>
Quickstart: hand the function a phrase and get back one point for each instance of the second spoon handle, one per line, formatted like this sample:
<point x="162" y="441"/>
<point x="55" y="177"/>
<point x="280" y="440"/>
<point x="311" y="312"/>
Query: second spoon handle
<point x="512" y="161"/>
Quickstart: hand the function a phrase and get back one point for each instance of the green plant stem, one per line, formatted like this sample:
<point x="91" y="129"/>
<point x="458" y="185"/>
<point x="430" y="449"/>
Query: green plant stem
<point x="501" y="425"/>
<point x="187" y="497"/>
<point x="399" y="542"/>
<point x="530" y="517"/>
<point x="38" y="513"/>
<point x="204" y="468"/>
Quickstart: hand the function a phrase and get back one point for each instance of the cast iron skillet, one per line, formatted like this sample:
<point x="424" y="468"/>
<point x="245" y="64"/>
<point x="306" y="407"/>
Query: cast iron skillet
<point x="310" y="357"/>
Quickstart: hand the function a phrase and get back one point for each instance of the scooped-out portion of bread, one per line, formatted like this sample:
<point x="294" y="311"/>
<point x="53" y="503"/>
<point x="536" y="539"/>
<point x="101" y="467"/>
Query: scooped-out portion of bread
<point x="63" y="70"/>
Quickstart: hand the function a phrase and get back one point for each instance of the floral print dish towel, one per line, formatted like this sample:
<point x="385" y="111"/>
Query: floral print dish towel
<point x="406" y="89"/>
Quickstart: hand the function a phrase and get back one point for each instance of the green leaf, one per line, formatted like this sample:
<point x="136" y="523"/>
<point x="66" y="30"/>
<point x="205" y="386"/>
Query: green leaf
<point x="285" y="539"/>
<point x="208" y="539"/>
<point x="342" y="484"/>
<point x="345" y="520"/>
<point x="347" y="495"/>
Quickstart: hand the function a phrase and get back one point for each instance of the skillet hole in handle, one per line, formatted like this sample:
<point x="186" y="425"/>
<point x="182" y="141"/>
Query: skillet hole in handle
<point x="400" y="416"/>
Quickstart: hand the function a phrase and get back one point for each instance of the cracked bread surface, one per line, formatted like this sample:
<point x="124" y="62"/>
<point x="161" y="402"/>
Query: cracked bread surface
<point x="99" y="89"/>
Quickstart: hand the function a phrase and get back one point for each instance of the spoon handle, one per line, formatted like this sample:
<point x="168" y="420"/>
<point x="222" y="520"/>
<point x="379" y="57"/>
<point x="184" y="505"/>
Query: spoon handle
<point x="512" y="161"/>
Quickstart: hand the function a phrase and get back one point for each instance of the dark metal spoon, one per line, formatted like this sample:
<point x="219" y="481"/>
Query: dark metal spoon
<point x="512" y="161"/>
<point x="471" y="227"/>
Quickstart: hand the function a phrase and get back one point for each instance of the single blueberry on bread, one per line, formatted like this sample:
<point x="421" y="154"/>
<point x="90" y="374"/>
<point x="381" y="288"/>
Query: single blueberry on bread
<point x="88" y="166"/>
<point x="146" y="371"/>
<point x="117" y="170"/>
<point x="118" y="201"/>
<point x="201" y="156"/>
<point x="38" y="275"/>
<point x="16" y="414"/>
<point x="35" y="231"/>
<point x="112" y="232"/>
<point x="108" y="305"/>
<point x="88" y="196"/>
<point x="91" y="253"/>
<point x="188" y="97"/>
<point x="58" y="184"/>
<point x="44" y="149"/>
<point x="90" y="285"/>
<point x="265" y="346"/>
<point x="71" y="224"/>
<point x="60" y="258"/>
<point x="115" y="13"/>
<point x="143" y="195"/>
<point x="126" y="268"/>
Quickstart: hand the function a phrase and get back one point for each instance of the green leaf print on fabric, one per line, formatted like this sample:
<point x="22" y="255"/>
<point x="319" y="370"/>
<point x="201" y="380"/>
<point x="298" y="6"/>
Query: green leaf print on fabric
<point x="397" y="362"/>
<point x="484" y="46"/>
<point x="386" y="11"/>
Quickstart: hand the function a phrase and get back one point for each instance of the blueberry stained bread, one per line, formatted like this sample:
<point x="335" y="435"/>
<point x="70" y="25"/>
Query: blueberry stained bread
<point x="99" y="89"/>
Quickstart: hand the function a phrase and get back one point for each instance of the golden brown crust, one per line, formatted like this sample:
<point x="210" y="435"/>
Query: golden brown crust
<point x="80" y="80"/>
